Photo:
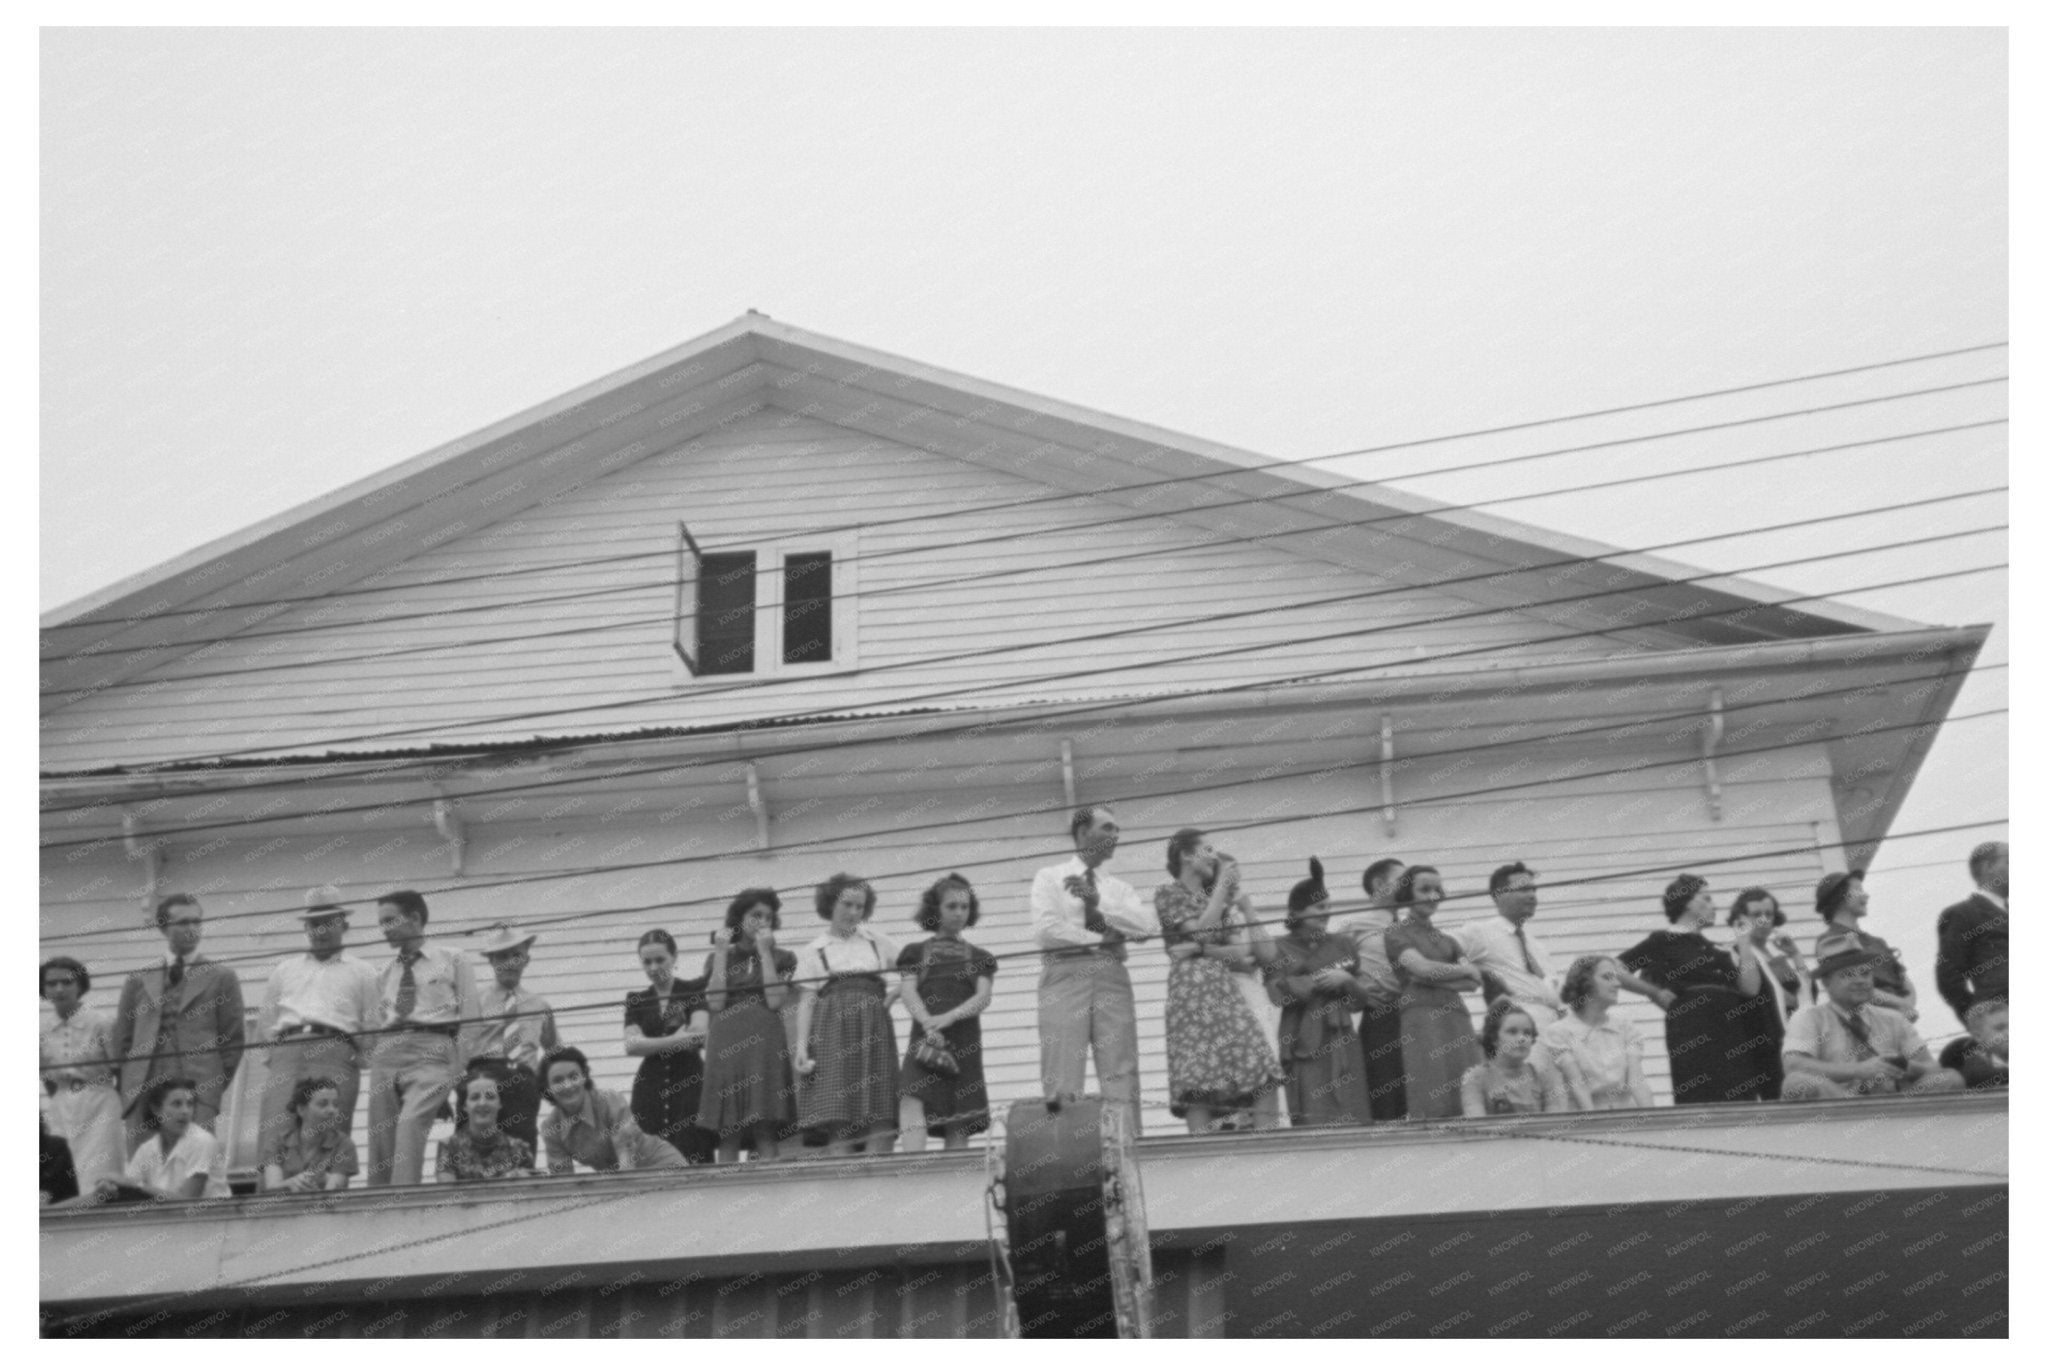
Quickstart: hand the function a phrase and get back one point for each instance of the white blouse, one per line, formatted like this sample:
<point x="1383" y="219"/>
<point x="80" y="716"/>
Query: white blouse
<point x="867" y="950"/>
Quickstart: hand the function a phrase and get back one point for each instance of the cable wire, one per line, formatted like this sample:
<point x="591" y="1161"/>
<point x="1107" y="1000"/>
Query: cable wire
<point x="186" y="651"/>
<point x="1492" y="789"/>
<point x="1210" y="618"/>
<point x="1215" y="474"/>
<point x="611" y="1004"/>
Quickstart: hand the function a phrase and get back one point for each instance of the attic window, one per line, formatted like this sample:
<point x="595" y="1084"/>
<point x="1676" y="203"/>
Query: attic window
<point x="725" y="613"/>
<point x="807" y="607"/>
<point x="784" y="609"/>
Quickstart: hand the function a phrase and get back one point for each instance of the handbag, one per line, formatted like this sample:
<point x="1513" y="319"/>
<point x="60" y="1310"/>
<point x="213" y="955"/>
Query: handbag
<point x="930" y="1051"/>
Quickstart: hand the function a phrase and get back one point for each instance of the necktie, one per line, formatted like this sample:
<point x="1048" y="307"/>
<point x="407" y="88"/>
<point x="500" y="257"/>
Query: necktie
<point x="1091" y="914"/>
<point x="1528" y="958"/>
<point x="408" y="991"/>
<point x="178" y="971"/>
<point x="1858" y="1030"/>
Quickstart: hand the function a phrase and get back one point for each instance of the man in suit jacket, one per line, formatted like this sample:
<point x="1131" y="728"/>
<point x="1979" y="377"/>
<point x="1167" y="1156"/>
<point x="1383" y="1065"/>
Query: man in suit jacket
<point x="181" y="1017"/>
<point x="1970" y="937"/>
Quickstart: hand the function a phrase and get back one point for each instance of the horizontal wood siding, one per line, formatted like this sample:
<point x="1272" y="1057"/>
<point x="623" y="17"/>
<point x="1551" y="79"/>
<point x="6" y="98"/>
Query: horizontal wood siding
<point x="431" y="656"/>
<point x="589" y="918"/>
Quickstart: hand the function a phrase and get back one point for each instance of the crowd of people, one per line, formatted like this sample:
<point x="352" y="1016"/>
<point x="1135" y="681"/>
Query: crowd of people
<point x="1366" y="1020"/>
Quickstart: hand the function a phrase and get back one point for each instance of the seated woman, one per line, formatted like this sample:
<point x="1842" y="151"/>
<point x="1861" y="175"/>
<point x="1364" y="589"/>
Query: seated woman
<point x="1510" y="1081"/>
<point x="845" y="1040"/>
<point x="1599" y="1056"/>
<point x="1315" y="980"/>
<point x="179" y="1160"/>
<point x="479" y="1149"/>
<point x="952" y="983"/>
<point x="316" y="1152"/>
<point x="595" y="1127"/>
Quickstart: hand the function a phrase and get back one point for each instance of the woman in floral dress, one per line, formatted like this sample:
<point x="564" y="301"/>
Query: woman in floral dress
<point x="1217" y="1057"/>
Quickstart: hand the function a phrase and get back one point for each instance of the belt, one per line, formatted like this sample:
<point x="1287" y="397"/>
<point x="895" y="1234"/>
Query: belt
<point x="295" y="1030"/>
<point x="1109" y="950"/>
<point x="409" y="1026"/>
<point x="71" y="1083"/>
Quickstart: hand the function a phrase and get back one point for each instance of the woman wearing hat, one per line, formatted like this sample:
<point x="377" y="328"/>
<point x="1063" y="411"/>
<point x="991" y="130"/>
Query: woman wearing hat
<point x="1437" y="1043"/>
<point x="1718" y="1033"/>
<point x="1217" y="1057"/>
<point x="1315" y="980"/>
<point x="1841" y="900"/>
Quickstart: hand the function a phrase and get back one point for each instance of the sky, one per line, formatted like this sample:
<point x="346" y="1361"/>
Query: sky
<point x="277" y="261"/>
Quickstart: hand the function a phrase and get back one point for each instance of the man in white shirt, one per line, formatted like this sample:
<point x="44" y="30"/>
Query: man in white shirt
<point x="428" y="994"/>
<point x="313" y="1007"/>
<point x="1504" y="948"/>
<point x="1081" y="919"/>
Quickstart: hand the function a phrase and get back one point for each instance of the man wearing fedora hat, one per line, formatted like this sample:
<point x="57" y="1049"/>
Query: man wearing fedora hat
<point x="515" y="1029"/>
<point x="1846" y="1047"/>
<point x="314" y="1007"/>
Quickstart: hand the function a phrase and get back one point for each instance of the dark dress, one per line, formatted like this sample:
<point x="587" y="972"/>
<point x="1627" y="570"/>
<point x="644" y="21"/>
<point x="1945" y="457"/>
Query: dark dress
<point x="669" y="1086"/>
<point x="951" y="971"/>
<point x="747" y="1077"/>
<point x="1217" y="1056"/>
<point x="1719" y="1040"/>
<point x="1438" y="1045"/>
<point x="58" y="1178"/>
<point x="1319" y="1048"/>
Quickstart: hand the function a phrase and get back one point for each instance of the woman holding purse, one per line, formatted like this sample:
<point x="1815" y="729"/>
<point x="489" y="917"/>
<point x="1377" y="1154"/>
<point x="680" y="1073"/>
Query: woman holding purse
<point x="948" y="983"/>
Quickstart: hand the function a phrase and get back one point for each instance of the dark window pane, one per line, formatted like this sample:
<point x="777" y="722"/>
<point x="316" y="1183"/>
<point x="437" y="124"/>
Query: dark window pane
<point x="807" y="608"/>
<point x="725" y="614"/>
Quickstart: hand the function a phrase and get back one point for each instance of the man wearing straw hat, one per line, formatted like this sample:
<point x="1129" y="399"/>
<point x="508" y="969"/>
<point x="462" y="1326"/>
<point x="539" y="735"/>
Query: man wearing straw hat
<point x="314" y="1007"/>
<point x="515" y="1029"/>
<point x="1845" y="1047"/>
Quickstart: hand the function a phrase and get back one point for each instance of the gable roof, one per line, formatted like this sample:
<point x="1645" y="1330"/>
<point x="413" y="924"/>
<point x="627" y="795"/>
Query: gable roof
<point x="755" y="363"/>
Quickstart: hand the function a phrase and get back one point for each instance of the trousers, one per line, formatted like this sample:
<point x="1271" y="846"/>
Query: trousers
<point x="410" y="1075"/>
<point x="1084" y="1001"/>
<point x="1379" y="1032"/>
<point x="293" y="1060"/>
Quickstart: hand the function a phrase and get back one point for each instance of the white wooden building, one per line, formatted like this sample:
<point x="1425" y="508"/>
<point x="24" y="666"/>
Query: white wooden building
<point x="972" y="607"/>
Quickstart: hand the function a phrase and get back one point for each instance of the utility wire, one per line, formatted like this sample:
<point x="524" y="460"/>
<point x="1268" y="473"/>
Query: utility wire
<point x="1042" y="499"/>
<point x="980" y="726"/>
<point x="623" y="776"/>
<point x="1494" y="789"/>
<point x="1141" y="666"/>
<point x="187" y="650"/>
<point x="611" y="1005"/>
